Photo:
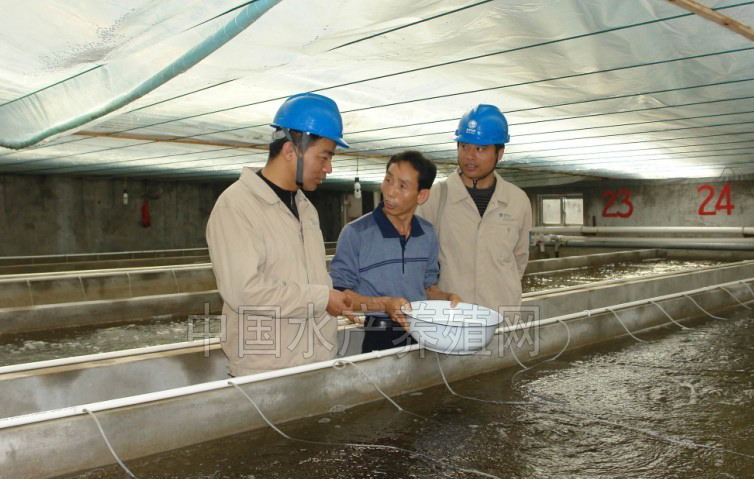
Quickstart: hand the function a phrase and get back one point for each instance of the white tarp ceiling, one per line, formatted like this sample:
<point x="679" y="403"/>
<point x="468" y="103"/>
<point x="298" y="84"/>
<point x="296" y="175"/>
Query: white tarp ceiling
<point x="591" y="88"/>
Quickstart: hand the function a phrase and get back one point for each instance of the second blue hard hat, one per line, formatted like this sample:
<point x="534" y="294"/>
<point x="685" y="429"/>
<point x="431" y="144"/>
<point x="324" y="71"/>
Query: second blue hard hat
<point x="483" y="125"/>
<point x="312" y="113"/>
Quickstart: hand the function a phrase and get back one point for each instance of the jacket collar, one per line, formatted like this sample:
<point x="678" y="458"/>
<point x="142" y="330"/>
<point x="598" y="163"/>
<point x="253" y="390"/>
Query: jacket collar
<point x="457" y="190"/>
<point x="258" y="187"/>
<point x="388" y="230"/>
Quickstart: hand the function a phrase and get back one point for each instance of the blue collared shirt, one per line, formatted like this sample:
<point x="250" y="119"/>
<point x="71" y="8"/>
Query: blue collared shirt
<point x="373" y="259"/>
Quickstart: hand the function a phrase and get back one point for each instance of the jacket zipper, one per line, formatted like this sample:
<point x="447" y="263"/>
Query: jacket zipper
<point x="303" y="246"/>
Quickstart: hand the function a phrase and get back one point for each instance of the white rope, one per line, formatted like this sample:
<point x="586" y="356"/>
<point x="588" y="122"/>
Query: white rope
<point x="668" y="316"/>
<point x="445" y="380"/>
<point x="565" y="347"/>
<point x="705" y="311"/>
<point x="31" y="295"/>
<point x="340" y="363"/>
<point x="431" y="460"/>
<point x="83" y="290"/>
<point x="130" y="288"/>
<point x="747" y="285"/>
<point x="624" y="326"/>
<point x="734" y="297"/>
<point x="177" y="287"/>
<point x="112" y="451"/>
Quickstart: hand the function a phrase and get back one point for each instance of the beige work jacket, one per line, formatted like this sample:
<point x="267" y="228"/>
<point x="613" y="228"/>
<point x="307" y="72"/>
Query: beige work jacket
<point x="270" y="270"/>
<point x="481" y="259"/>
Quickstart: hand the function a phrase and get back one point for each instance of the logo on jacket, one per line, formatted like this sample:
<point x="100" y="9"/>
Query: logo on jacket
<point x="505" y="216"/>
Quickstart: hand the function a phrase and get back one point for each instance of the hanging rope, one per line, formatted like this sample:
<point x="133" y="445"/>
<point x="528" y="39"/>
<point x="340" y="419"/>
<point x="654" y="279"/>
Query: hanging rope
<point x="734" y="297"/>
<point x="624" y="326"/>
<point x="430" y="460"/>
<point x="565" y="347"/>
<point x="341" y="363"/>
<point x="445" y="380"/>
<point x="745" y="284"/>
<point x="112" y="451"/>
<point x="705" y="311"/>
<point x="669" y="316"/>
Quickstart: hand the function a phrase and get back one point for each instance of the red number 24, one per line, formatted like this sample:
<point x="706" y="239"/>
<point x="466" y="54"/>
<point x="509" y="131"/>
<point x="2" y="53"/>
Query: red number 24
<point x="723" y="201"/>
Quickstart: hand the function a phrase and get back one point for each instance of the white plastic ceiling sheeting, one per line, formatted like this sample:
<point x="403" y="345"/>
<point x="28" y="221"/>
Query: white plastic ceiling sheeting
<point x="591" y="88"/>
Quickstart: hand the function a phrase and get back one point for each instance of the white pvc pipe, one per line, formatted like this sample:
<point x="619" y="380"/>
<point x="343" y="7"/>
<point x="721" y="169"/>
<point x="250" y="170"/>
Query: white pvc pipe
<point x="544" y="292"/>
<point x="623" y="239"/>
<point x="591" y="230"/>
<point x="123" y="353"/>
<point x="224" y="383"/>
<point x="631" y="304"/>
<point x="192" y="389"/>
<point x="96" y="255"/>
<point x="7" y="278"/>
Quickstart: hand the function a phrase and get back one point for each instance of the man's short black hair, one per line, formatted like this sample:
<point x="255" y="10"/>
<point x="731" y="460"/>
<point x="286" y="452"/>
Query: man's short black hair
<point x="498" y="147"/>
<point x="277" y="146"/>
<point x="426" y="167"/>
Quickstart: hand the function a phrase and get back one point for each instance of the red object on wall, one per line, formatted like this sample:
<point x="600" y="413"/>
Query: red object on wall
<point x="724" y="201"/>
<point x="146" y="219"/>
<point x="624" y="198"/>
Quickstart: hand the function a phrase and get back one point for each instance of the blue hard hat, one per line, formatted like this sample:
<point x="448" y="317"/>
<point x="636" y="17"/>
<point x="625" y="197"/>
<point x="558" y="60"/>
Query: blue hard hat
<point x="483" y="125"/>
<point x="311" y="113"/>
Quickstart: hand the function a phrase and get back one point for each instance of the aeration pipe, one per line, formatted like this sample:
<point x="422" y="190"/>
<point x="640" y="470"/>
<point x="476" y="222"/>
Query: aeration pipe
<point x="124" y="353"/>
<point x="593" y="230"/>
<point x="631" y="304"/>
<point x="634" y="242"/>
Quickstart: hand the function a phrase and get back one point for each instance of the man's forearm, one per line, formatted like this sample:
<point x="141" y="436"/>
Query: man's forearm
<point x="366" y="304"/>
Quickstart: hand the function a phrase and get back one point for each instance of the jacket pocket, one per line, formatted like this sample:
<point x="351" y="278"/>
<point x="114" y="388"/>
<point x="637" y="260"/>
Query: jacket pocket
<point x="500" y="240"/>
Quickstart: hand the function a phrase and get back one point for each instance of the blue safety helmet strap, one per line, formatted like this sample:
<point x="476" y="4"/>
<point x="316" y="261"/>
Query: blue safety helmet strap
<point x="483" y="125"/>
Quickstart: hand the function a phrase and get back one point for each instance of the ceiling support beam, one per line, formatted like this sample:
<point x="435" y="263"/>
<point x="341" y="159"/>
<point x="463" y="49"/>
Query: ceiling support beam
<point x="192" y="141"/>
<point x="723" y="20"/>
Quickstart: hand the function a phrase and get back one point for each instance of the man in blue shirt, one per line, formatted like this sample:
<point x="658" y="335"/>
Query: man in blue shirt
<point x="388" y="257"/>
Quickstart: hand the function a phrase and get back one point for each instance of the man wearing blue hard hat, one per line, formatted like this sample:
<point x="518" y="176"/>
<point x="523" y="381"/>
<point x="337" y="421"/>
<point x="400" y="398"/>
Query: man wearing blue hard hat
<point x="482" y="221"/>
<point x="267" y="248"/>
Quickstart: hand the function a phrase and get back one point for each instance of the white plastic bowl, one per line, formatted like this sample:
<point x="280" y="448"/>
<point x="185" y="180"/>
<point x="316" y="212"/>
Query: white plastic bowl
<point x="465" y="329"/>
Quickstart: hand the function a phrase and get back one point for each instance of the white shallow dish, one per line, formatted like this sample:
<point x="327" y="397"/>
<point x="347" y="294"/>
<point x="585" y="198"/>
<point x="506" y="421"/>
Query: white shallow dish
<point x="465" y="329"/>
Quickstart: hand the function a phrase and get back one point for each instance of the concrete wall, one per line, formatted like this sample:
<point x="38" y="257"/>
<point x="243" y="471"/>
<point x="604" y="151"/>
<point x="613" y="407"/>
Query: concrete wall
<point x="660" y="203"/>
<point x="52" y="214"/>
<point x="62" y="215"/>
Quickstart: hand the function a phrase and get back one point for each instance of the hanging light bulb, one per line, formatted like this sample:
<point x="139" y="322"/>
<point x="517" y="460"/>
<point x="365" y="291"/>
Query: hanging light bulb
<point x="125" y="192"/>
<point x="357" y="189"/>
<point x="356" y="184"/>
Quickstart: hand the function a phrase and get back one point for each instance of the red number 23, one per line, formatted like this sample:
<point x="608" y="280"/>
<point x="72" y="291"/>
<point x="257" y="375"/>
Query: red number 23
<point x="624" y="198"/>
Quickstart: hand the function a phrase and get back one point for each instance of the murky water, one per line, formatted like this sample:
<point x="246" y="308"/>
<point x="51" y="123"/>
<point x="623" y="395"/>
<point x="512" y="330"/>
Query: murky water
<point x="67" y="342"/>
<point x="40" y="346"/>
<point x="678" y="405"/>
<point x="579" y="276"/>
